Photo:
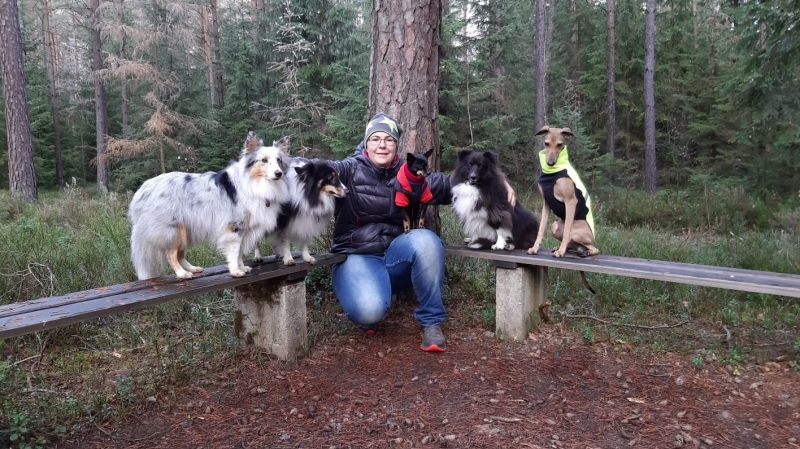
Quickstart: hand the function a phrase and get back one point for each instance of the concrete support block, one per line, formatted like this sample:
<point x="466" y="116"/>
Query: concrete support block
<point x="271" y="314"/>
<point x="520" y="292"/>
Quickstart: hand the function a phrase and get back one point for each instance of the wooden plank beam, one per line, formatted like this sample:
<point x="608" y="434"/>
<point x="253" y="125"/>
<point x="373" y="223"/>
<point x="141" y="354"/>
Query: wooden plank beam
<point x="17" y="319"/>
<point x="782" y="284"/>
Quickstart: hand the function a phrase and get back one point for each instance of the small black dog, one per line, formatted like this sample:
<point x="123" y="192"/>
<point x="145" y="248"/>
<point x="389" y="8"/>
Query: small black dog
<point x="411" y="190"/>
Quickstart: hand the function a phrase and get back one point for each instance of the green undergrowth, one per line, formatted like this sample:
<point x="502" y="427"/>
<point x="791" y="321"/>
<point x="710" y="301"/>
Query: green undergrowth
<point x="60" y="382"/>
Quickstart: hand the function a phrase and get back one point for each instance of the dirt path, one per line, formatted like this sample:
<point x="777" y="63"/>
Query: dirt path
<point x="550" y="391"/>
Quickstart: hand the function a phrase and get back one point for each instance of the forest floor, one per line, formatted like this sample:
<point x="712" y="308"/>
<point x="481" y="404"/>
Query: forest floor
<point x="550" y="391"/>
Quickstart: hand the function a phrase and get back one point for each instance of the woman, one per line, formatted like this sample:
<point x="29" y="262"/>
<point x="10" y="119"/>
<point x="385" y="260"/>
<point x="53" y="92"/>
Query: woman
<point x="382" y="260"/>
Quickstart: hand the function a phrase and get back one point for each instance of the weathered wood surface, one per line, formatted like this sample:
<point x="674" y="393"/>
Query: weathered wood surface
<point x="781" y="284"/>
<point x="48" y="313"/>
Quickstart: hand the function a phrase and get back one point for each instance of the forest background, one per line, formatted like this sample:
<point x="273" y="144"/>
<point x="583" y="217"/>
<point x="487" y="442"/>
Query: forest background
<point x="121" y="91"/>
<point x="184" y="82"/>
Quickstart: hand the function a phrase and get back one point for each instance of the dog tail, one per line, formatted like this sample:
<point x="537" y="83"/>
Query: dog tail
<point x="586" y="283"/>
<point x="147" y="260"/>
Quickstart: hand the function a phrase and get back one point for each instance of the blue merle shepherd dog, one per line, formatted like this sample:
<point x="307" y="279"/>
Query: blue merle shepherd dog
<point x="232" y="208"/>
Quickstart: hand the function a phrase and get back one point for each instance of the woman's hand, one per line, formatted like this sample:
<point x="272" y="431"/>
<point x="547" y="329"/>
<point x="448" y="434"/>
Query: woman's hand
<point x="512" y="197"/>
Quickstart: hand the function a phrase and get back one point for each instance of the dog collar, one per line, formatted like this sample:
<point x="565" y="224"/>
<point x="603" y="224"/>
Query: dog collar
<point x="562" y="163"/>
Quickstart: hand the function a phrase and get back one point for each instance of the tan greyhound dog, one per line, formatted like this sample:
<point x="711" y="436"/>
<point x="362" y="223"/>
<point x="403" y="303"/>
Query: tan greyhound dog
<point x="564" y="194"/>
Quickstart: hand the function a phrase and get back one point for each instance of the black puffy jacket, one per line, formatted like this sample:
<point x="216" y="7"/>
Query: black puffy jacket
<point x="366" y="219"/>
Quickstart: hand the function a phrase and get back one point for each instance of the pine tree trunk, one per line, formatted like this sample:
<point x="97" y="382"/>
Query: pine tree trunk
<point x="404" y="74"/>
<point x="49" y="61"/>
<point x="694" y="22"/>
<point x="21" y="172"/>
<point x="575" y="45"/>
<point x="649" y="96"/>
<point x="210" y="89"/>
<point x="611" y="96"/>
<point x="498" y="61"/>
<point x="541" y="69"/>
<point x="217" y="56"/>
<point x="100" y="105"/>
<point x="126" y="121"/>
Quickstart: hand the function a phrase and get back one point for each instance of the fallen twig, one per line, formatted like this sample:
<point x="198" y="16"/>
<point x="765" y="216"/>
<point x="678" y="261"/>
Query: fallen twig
<point x="504" y="419"/>
<point x="611" y="323"/>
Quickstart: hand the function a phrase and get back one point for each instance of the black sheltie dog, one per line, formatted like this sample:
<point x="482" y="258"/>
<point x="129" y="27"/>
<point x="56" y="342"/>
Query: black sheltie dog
<point x="480" y="200"/>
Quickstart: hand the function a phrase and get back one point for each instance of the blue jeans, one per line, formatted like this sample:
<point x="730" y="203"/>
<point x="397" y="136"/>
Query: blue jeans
<point x="365" y="284"/>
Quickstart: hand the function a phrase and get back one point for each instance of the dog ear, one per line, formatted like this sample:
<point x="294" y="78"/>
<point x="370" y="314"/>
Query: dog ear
<point x="304" y="169"/>
<point x="409" y="157"/>
<point x="567" y="132"/>
<point x="490" y="156"/>
<point x="463" y="154"/>
<point x="545" y="129"/>
<point x="282" y="144"/>
<point x="251" y="143"/>
<point x="428" y="153"/>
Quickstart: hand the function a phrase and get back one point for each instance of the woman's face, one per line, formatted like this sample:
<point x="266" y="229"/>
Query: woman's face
<point x="381" y="149"/>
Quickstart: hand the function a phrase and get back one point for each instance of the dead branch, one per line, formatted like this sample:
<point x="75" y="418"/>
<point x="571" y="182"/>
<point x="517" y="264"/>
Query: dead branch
<point x="611" y="323"/>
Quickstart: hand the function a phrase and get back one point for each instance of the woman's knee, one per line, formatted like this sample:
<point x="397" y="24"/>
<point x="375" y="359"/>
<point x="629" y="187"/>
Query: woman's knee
<point x="366" y="313"/>
<point x="426" y="244"/>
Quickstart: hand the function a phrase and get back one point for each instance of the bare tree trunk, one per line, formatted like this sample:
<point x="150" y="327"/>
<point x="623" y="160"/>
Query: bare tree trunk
<point x="404" y="74"/>
<point x="611" y="96"/>
<point x="100" y="106"/>
<point x="575" y="45"/>
<point x="498" y="60"/>
<point x="21" y="172"/>
<point x="217" y="57"/>
<point x="49" y="62"/>
<point x="649" y="96"/>
<point x="212" y="93"/>
<point x="126" y="120"/>
<point x="694" y="22"/>
<point x="541" y="69"/>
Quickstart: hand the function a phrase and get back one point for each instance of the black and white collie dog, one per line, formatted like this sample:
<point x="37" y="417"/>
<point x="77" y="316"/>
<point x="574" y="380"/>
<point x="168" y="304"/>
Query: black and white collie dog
<point x="480" y="200"/>
<point x="232" y="208"/>
<point x="313" y="186"/>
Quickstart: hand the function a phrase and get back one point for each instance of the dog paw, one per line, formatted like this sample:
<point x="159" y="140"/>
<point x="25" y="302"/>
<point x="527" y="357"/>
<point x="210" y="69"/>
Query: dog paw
<point x="183" y="275"/>
<point x="196" y="269"/>
<point x="237" y="273"/>
<point x="533" y="249"/>
<point x="289" y="262"/>
<point x="497" y="247"/>
<point x="467" y="240"/>
<point x="246" y="269"/>
<point x="509" y="247"/>
<point x="558" y="252"/>
<point x="582" y="251"/>
<point x="310" y="260"/>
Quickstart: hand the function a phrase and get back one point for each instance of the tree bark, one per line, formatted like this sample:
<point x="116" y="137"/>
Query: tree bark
<point x="575" y="45"/>
<point x="217" y="56"/>
<point x="210" y="89"/>
<point x="404" y="74"/>
<point x="49" y="62"/>
<point x="694" y="23"/>
<point x="611" y="96"/>
<point x="21" y="172"/>
<point x="126" y="121"/>
<point x="649" y="96"/>
<point x="498" y="59"/>
<point x="541" y="69"/>
<point x="100" y="105"/>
